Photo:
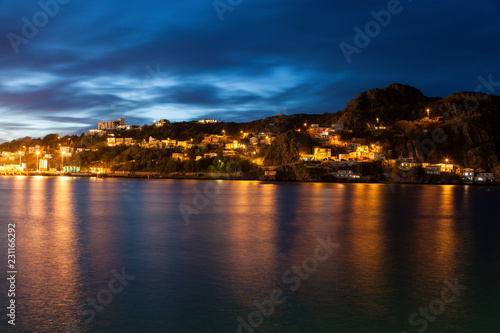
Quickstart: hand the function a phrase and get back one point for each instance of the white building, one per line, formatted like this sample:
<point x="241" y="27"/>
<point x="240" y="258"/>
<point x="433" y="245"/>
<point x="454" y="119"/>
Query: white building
<point x="347" y="174"/>
<point x="483" y="177"/>
<point x="109" y="125"/>
<point x="469" y="174"/>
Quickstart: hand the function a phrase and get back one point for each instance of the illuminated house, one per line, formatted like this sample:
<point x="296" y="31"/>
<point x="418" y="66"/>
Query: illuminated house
<point x="235" y="145"/>
<point x="322" y="153"/>
<point x="433" y="170"/>
<point x="446" y="167"/>
<point x="316" y="130"/>
<point x="111" y="141"/>
<point x="169" y="143"/>
<point x="351" y="146"/>
<point x="43" y="165"/>
<point x="179" y="156"/>
<point x="71" y="169"/>
<point x="99" y="169"/>
<point x="469" y="174"/>
<point x="483" y="177"/>
<point x="128" y="127"/>
<point x="162" y="123"/>
<point x="347" y="174"/>
<point x="13" y="168"/>
<point x="345" y="157"/>
<point x="68" y="151"/>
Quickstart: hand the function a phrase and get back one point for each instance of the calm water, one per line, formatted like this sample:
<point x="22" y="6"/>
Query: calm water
<point x="396" y="249"/>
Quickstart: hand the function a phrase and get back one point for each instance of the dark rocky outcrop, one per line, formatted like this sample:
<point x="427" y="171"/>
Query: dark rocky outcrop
<point x="284" y="153"/>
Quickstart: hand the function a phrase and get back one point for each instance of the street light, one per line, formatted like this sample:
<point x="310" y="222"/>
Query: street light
<point x="428" y="110"/>
<point x="62" y="161"/>
<point x="37" y="165"/>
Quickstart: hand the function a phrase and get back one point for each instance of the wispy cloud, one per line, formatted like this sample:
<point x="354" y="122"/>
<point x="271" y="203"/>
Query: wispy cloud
<point x="88" y="63"/>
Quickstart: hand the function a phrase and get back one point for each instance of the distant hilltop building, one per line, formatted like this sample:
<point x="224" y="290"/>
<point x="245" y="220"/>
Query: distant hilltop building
<point x="104" y="127"/>
<point x="107" y="125"/>
<point x="162" y="123"/>
<point x="207" y="121"/>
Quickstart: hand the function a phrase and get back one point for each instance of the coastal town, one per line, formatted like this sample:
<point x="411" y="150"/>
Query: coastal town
<point x="334" y="155"/>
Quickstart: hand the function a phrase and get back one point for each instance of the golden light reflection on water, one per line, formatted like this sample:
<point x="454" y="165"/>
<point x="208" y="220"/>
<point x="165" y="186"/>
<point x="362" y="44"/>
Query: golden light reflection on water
<point x="248" y="235"/>
<point x="435" y="245"/>
<point x="366" y="245"/>
<point x="48" y="286"/>
<point x="251" y="237"/>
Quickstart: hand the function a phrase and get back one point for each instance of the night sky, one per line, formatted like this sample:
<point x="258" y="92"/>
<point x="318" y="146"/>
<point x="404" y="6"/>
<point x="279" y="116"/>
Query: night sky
<point x="90" y="61"/>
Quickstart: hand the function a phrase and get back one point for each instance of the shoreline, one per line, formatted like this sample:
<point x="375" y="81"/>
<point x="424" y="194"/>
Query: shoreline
<point x="204" y="176"/>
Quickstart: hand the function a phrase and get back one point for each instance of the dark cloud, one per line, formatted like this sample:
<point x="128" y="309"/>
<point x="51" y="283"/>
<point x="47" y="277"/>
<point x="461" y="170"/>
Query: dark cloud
<point x="146" y="60"/>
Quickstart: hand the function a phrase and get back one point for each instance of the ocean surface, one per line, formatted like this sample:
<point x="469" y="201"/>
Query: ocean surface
<point x="117" y="255"/>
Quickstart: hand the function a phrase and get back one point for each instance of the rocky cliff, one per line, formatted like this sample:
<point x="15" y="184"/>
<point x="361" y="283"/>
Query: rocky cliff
<point x="284" y="153"/>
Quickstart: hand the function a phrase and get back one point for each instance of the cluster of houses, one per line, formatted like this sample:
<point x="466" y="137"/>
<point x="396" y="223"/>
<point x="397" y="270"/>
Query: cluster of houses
<point x="322" y="132"/>
<point x="325" y="132"/>
<point x="356" y="152"/>
<point x="43" y="158"/>
<point x="468" y="175"/>
<point x="105" y="127"/>
<point x="247" y="143"/>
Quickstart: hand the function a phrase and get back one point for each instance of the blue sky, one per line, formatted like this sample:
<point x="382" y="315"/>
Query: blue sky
<point x="145" y="60"/>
